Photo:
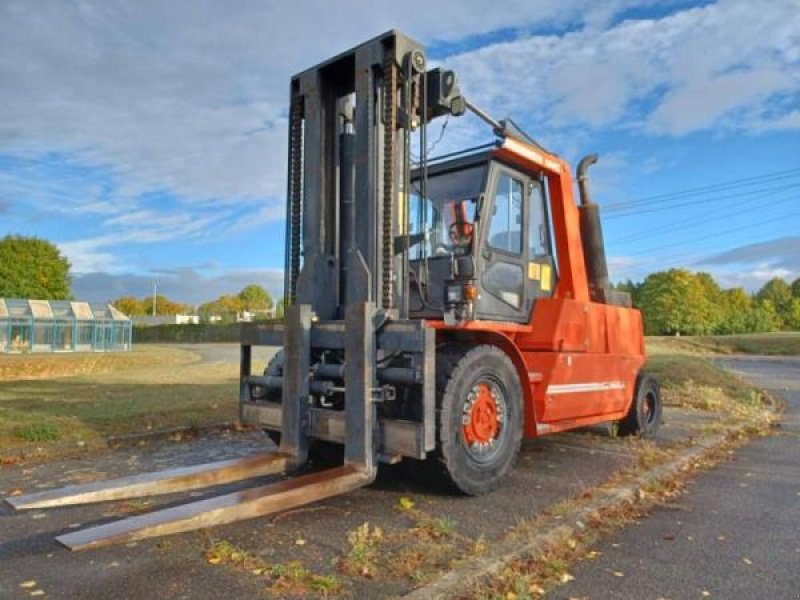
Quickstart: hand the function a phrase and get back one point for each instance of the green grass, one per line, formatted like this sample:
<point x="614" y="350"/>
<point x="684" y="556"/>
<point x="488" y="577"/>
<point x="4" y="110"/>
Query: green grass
<point x="674" y="370"/>
<point x="160" y="388"/>
<point x="38" y="432"/>
<point x="775" y="344"/>
<point x="693" y="381"/>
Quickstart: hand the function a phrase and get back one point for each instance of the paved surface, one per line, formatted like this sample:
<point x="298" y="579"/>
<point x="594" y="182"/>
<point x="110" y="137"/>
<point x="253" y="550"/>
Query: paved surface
<point x="735" y="534"/>
<point x="549" y="470"/>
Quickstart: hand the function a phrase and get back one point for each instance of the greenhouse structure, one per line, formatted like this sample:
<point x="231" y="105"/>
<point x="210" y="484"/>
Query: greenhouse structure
<point x="61" y="326"/>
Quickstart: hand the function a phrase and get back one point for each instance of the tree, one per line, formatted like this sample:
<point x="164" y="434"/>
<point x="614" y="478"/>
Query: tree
<point x="794" y="315"/>
<point x="736" y="305"/>
<point x="130" y="306"/>
<point x="675" y="302"/>
<point x="279" y="309"/>
<point x="796" y="288"/>
<point x="763" y="317"/>
<point x="255" y="297"/>
<point x="225" y="306"/>
<point x="778" y="292"/>
<point x="33" y="268"/>
<point x="164" y="306"/>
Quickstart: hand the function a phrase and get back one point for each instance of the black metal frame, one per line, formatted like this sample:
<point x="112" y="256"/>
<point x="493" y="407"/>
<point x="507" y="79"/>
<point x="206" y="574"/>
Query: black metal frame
<point x="346" y="286"/>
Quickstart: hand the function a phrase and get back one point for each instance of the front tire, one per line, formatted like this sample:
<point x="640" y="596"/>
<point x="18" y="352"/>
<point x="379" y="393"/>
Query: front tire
<point x="644" y="415"/>
<point x="479" y="399"/>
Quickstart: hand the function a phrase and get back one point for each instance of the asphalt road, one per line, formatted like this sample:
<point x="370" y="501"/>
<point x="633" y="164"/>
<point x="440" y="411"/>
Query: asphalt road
<point x="735" y="534"/>
<point x="549" y="470"/>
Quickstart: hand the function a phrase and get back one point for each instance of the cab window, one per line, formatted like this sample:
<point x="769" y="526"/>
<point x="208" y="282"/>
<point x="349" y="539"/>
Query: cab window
<point x="505" y="227"/>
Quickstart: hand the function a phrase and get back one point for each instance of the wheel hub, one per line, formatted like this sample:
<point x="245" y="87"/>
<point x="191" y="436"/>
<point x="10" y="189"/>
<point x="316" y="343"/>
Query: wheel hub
<point x="483" y="416"/>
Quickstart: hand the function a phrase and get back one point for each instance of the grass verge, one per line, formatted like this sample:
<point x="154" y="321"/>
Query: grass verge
<point x="771" y="344"/>
<point x="149" y="389"/>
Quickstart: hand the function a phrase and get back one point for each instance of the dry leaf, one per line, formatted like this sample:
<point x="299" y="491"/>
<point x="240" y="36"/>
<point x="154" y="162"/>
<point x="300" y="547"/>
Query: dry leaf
<point x="28" y="584"/>
<point x="566" y="578"/>
<point x="300" y="542"/>
<point x="535" y="588"/>
<point x="511" y="596"/>
<point x="213" y="559"/>
<point x="705" y="593"/>
<point x="36" y="593"/>
<point x="592" y="554"/>
<point x="257" y="571"/>
<point x="721" y="538"/>
<point x="571" y="544"/>
<point x="405" y="503"/>
<point x="618" y="574"/>
<point x="18" y="492"/>
<point x="747" y="561"/>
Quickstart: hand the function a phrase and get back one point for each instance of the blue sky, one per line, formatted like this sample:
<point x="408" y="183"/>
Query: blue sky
<point x="147" y="139"/>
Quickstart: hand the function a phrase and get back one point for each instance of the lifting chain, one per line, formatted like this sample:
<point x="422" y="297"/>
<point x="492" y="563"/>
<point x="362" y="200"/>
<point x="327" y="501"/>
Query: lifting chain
<point x="296" y="190"/>
<point x="390" y="74"/>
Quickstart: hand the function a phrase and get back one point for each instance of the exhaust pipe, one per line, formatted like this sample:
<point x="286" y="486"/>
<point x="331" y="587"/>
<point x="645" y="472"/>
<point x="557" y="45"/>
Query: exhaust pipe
<point x="594" y="251"/>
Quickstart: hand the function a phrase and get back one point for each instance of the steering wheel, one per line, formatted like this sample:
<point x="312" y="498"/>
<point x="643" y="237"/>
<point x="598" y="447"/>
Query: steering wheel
<point x="460" y="234"/>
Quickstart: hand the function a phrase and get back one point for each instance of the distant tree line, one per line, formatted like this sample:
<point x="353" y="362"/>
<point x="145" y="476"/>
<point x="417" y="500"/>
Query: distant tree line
<point x="679" y="301"/>
<point x="252" y="298"/>
<point x="672" y="302"/>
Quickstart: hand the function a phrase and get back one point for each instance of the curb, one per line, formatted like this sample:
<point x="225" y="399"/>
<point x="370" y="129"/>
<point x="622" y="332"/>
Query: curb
<point x="459" y="581"/>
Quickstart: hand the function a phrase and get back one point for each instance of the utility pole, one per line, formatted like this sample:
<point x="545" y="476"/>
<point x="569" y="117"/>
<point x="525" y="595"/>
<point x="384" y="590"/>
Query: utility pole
<point x="155" y="287"/>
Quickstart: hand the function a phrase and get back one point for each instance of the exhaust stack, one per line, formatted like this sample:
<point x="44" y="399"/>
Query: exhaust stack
<point x="594" y="250"/>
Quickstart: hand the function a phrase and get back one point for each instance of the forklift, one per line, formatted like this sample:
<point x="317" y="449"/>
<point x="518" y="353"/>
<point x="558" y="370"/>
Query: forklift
<point x="437" y="310"/>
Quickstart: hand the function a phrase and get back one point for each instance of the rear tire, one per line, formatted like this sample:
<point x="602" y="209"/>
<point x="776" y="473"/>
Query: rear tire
<point x="644" y="415"/>
<point x="479" y="401"/>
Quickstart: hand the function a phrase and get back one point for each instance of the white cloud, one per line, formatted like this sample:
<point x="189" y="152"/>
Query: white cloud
<point x="191" y="100"/>
<point x="688" y="71"/>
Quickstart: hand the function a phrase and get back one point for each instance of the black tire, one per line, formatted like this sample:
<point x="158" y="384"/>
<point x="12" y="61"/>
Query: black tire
<point x="476" y="468"/>
<point x="644" y="415"/>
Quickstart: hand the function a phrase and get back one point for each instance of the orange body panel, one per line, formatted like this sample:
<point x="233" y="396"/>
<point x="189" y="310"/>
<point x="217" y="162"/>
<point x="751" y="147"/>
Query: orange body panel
<point x="577" y="360"/>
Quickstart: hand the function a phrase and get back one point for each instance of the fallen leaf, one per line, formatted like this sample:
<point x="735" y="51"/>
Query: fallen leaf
<point x="535" y="588"/>
<point x="618" y="574"/>
<point x="28" y="584"/>
<point x="405" y="503"/>
<point x="511" y="596"/>
<point x="213" y="559"/>
<point x="705" y="593"/>
<point x="566" y="578"/>
<point x="592" y="554"/>
<point x="300" y="542"/>
<point x="36" y="593"/>
<point x="18" y="492"/>
<point x="721" y="538"/>
<point x="257" y="571"/>
<point x="571" y="544"/>
<point x="747" y="561"/>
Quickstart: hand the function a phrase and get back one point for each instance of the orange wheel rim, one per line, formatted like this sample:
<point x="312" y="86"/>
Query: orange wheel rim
<point x="480" y="421"/>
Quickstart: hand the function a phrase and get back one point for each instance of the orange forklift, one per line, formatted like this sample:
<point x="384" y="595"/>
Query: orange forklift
<point x="438" y="310"/>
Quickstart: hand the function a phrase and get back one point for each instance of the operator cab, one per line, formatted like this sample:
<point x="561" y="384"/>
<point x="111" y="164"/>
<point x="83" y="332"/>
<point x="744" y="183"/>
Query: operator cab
<point x="479" y="241"/>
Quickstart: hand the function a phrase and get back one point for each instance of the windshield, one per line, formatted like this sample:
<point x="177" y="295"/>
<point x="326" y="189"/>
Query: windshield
<point x="442" y="223"/>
